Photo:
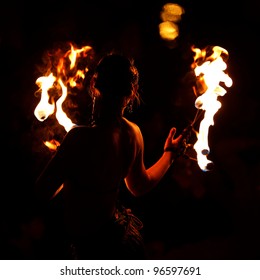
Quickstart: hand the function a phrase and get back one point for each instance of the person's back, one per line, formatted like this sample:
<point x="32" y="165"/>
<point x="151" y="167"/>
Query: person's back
<point x="92" y="162"/>
<point x="96" y="165"/>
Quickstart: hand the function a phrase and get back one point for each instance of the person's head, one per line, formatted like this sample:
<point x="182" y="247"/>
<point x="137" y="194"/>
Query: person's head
<point x="115" y="81"/>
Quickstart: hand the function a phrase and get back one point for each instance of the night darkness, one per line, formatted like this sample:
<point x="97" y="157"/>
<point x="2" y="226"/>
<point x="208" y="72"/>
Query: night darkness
<point x="191" y="214"/>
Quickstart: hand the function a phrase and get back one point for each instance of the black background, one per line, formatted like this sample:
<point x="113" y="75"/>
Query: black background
<point x="191" y="214"/>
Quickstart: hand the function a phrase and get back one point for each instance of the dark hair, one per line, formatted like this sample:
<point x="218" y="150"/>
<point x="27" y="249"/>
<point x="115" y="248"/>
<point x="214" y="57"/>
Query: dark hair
<point x="116" y="76"/>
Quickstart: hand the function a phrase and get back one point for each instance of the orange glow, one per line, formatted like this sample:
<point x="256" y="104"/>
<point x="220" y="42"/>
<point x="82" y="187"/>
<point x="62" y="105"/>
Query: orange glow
<point x="168" y="30"/>
<point x="170" y="15"/>
<point x="63" y="74"/>
<point x="52" y="145"/>
<point x="172" y="12"/>
<point x="209" y="69"/>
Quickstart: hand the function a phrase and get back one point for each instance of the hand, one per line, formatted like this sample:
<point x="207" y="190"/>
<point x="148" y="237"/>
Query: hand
<point x="177" y="145"/>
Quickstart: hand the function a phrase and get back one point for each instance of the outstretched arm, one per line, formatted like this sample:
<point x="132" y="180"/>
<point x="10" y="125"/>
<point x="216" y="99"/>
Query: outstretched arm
<point x="141" y="180"/>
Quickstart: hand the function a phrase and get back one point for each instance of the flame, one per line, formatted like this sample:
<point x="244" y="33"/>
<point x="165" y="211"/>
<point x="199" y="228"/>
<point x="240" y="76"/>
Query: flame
<point x="52" y="145"/>
<point x="44" y="108"/>
<point x="63" y="75"/>
<point x="210" y="72"/>
<point x="61" y="116"/>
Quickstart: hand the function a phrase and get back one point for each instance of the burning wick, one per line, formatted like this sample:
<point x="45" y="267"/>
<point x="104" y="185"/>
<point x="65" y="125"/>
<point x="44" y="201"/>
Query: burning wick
<point x="209" y="67"/>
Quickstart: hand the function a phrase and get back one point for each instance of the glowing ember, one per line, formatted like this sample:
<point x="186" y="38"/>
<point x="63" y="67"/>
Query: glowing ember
<point x="52" y="145"/>
<point x="209" y="70"/>
<point x="65" y="71"/>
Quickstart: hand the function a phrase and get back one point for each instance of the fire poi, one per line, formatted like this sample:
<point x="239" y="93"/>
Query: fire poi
<point x="65" y="71"/>
<point x="209" y="68"/>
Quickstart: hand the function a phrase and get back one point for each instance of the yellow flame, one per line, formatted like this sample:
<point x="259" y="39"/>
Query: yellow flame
<point x="210" y="71"/>
<point x="44" y="109"/>
<point x="66" y="75"/>
<point x="74" y="53"/>
<point x="61" y="116"/>
<point x="52" y="145"/>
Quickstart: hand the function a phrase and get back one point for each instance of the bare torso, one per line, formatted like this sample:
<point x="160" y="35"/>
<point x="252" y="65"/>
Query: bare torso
<point x="97" y="161"/>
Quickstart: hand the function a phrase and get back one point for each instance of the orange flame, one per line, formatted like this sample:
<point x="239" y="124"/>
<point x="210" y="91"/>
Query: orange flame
<point x="209" y="71"/>
<point x="62" y="76"/>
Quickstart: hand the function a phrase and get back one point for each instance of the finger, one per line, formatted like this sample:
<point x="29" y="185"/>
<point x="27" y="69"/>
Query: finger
<point x="172" y="132"/>
<point x="179" y="137"/>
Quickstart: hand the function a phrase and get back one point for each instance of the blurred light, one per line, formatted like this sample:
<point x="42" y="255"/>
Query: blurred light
<point x="171" y="12"/>
<point x="170" y="15"/>
<point x="168" y="31"/>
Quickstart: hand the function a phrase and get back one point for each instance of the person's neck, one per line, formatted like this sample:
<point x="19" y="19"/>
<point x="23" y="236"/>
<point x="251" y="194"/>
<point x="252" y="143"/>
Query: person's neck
<point x="109" y="115"/>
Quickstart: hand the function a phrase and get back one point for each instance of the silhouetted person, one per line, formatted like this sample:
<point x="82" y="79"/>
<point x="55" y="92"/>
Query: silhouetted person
<point x="93" y="161"/>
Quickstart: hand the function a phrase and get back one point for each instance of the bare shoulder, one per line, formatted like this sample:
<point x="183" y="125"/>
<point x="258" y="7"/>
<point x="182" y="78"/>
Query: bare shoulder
<point x="78" y="129"/>
<point x="132" y="126"/>
<point x="75" y="134"/>
<point x="134" y="131"/>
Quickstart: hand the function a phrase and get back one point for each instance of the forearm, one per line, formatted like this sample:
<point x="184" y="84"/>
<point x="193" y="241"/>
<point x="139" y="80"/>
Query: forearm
<point x="140" y="180"/>
<point x="142" y="183"/>
<point x="159" y="169"/>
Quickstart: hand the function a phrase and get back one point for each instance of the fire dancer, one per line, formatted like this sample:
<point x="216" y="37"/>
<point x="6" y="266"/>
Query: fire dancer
<point x="93" y="161"/>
